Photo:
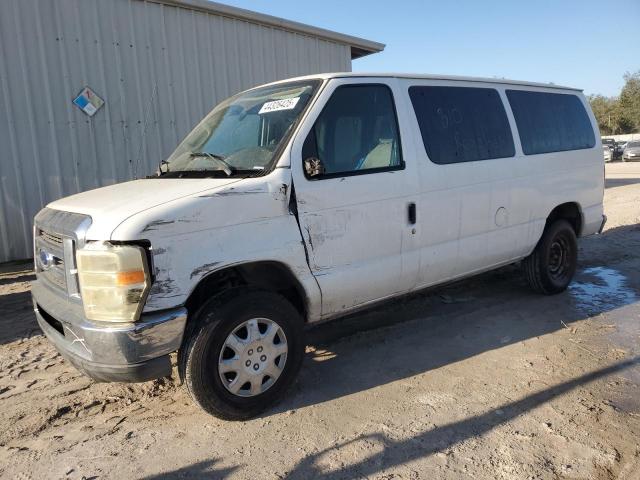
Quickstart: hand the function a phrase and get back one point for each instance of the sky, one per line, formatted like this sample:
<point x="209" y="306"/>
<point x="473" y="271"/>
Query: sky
<point x="586" y="44"/>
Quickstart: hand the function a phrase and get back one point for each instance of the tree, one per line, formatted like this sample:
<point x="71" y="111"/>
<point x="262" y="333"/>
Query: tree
<point x="604" y="109"/>
<point x="622" y="114"/>
<point x="629" y="101"/>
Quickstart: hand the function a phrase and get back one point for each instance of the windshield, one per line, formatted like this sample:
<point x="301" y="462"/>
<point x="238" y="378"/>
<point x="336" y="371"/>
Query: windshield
<point x="243" y="133"/>
<point x="633" y="144"/>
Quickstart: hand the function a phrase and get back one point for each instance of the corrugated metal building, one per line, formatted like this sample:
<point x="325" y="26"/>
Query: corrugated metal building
<point x="159" y="65"/>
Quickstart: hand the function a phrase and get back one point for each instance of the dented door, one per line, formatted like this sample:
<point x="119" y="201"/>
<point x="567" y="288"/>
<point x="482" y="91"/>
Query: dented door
<point x="354" y="217"/>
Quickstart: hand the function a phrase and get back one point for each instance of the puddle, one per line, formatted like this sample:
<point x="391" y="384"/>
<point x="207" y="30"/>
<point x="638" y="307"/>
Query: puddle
<point x="601" y="289"/>
<point x="604" y="290"/>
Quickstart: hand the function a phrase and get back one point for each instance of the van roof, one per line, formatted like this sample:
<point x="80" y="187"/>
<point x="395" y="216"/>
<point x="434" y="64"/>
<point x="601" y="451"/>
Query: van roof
<point x="501" y="81"/>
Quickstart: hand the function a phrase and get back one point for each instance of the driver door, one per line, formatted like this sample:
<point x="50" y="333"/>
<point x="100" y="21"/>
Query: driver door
<point x="355" y="196"/>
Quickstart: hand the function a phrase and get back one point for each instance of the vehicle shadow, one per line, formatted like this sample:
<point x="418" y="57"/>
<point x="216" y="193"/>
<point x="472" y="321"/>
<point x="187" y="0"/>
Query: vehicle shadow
<point x="397" y="452"/>
<point x="21" y="278"/>
<point x="17" y="320"/>
<point x="16" y="267"/>
<point x="620" y="182"/>
<point x="202" y="469"/>
<point x="428" y="330"/>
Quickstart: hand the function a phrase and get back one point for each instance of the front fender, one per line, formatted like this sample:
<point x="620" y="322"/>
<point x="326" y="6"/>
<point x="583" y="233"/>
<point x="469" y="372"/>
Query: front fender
<point x="196" y="236"/>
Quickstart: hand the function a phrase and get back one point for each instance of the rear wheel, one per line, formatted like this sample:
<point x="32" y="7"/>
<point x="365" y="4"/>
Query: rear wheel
<point x="244" y="353"/>
<point x="551" y="266"/>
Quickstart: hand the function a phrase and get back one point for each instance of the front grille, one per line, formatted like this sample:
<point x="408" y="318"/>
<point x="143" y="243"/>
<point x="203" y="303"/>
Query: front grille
<point x="51" y="238"/>
<point x="50" y="259"/>
<point x="56" y="275"/>
<point x="57" y="236"/>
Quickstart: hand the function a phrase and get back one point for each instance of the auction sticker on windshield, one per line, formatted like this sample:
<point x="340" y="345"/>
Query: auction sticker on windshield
<point x="275" y="105"/>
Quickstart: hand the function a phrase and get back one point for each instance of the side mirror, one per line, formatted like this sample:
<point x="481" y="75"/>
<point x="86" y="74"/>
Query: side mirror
<point x="313" y="167"/>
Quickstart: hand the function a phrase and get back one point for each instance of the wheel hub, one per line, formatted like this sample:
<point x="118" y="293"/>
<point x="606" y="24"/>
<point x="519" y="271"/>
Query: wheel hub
<point x="558" y="258"/>
<point x="253" y="357"/>
<point x="256" y="357"/>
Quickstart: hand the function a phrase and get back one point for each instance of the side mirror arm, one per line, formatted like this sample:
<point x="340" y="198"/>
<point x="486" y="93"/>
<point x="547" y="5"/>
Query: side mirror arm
<point x="313" y="167"/>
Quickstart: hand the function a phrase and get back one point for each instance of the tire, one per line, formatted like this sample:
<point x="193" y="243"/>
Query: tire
<point x="551" y="266"/>
<point x="207" y="353"/>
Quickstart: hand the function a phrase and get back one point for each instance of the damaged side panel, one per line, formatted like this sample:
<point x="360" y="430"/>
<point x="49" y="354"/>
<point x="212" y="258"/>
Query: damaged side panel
<point x="195" y="236"/>
<point x="355" y="251"/>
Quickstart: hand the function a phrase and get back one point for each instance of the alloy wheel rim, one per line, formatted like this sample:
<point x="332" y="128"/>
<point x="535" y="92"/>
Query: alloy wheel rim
<point x="253" y="357"/>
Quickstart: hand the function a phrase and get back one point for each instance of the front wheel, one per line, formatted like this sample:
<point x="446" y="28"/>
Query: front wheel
<point x="244" y="353"/>
<point x="551" y="266"/>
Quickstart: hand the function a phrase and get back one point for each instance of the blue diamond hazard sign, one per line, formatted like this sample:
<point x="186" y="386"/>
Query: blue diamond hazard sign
<point x="88" y="101"/>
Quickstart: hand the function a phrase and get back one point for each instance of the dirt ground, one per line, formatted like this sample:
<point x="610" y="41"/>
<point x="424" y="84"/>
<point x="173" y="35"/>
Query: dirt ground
<point x="481" y="379"/>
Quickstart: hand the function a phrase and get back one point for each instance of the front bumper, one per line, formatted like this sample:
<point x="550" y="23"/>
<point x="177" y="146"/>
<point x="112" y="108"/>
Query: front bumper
<point x="134" y="352"/>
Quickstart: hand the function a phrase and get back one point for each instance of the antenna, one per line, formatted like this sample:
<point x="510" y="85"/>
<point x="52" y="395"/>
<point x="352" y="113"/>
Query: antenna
<point x="144" y="130"/>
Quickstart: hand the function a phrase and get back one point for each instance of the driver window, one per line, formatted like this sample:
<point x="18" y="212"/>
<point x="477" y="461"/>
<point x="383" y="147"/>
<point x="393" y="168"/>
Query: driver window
<point x="237" y="131"/>
<point x="356" y="132"/>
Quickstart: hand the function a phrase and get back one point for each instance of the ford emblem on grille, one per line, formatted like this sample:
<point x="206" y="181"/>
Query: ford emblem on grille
<point x="46" y="259"/>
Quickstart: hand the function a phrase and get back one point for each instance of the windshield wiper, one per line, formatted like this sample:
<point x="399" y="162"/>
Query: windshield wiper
<point x="228" y="169"/>
<point x="206" y="173"/>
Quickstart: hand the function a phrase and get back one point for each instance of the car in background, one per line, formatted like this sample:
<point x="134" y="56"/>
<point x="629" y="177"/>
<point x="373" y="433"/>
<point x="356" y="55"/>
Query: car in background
<point x="609" y="142"/>
<point x="608" y="154"/>
<point x="631" y="151"/>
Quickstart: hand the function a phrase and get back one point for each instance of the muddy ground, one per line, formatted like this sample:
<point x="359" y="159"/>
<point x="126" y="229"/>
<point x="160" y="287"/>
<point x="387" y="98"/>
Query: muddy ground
<point x="481" y="379"/>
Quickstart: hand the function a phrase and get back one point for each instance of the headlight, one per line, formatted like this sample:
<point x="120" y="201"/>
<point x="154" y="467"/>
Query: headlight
<point x="114" y="281"/>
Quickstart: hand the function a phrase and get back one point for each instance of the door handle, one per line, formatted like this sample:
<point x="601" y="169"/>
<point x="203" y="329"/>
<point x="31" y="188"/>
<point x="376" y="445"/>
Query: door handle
<point x="411" y="210"/>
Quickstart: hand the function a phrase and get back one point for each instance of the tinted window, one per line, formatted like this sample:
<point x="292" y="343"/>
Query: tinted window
<point x="460" y="124"/>
<point x="356" y="131"/>
<point x="550" y="122"/>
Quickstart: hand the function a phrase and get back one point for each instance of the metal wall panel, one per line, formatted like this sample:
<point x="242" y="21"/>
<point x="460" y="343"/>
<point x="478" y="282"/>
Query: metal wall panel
<point x="168" y="64"/>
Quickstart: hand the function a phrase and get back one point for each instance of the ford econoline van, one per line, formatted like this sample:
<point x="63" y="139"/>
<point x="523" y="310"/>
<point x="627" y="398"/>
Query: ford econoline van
<point x="304" y="200"/>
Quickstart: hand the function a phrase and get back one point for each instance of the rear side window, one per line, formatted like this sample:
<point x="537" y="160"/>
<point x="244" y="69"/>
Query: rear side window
<point x="550" y="122"/>
<point x="460" y="124"/>
<point x="357" y="132"/>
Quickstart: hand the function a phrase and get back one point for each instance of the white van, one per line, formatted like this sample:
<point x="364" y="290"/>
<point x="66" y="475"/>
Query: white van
<point x="304" y="200"/>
